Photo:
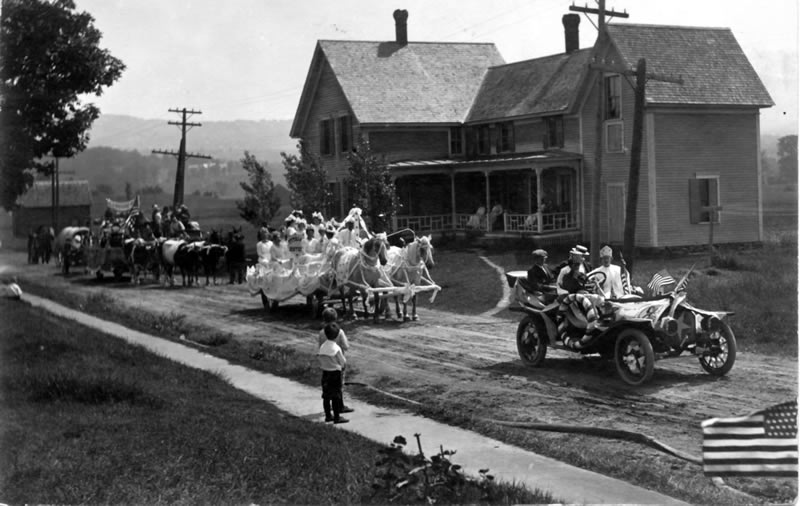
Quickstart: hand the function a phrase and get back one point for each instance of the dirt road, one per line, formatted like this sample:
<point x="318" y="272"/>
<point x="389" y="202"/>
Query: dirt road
<point x="455" y="360"/>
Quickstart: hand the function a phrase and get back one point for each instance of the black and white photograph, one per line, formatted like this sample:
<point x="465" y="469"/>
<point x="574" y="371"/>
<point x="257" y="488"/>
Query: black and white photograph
<point x="368" y="252"/>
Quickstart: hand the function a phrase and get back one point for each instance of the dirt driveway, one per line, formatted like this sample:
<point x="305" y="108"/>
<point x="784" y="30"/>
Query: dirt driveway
<point x="455" y="360"/>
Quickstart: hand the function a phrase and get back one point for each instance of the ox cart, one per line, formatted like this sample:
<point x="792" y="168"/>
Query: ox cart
<point x="106" y="258"/>
<point x="69" y="245"/>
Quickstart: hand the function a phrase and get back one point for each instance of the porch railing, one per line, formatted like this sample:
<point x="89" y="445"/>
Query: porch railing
<point x="550" y="222"/>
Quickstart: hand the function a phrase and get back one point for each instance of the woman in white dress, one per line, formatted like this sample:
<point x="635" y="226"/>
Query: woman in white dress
<point x="264" y="248"/>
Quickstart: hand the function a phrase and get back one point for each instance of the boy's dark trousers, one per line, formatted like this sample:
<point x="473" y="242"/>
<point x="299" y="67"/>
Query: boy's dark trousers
<point x="332" y="394"/>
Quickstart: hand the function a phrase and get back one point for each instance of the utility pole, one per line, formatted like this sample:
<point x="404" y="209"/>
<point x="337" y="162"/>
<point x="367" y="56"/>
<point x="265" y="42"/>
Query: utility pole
<point x="599" y="47"/>
<point x="629" y="241"/>
<point x="180" y="175"/>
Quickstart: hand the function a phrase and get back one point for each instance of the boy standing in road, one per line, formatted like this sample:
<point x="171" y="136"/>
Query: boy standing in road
<point x="329" y="316"/>
<point x="332" y="362"/>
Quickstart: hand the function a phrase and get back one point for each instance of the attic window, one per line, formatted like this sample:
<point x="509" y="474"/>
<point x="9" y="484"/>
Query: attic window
<point x="613" y="97"/>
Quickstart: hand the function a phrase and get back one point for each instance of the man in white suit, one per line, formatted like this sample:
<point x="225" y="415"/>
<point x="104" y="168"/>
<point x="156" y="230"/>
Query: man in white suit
<point x="612" y="287"/>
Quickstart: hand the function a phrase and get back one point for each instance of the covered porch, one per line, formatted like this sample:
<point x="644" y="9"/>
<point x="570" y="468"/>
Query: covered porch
<point x="523" y="195"/>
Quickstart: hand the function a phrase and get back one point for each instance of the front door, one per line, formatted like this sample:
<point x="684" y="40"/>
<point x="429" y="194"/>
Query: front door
<point x="616" y="212"/>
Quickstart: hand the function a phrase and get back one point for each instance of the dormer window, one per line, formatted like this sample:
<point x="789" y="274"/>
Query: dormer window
<point x="505" y="137"/>
<point x="456" y="141"/>
<point x="554" y="138"/>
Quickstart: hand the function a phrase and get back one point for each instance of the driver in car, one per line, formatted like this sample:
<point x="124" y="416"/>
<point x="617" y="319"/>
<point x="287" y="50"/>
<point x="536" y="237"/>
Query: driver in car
<point x="612" y="286"/>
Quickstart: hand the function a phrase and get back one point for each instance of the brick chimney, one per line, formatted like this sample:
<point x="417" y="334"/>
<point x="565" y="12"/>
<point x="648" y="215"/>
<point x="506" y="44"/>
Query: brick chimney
<point x="400" y="18"/>
<point x="571" y="38"/>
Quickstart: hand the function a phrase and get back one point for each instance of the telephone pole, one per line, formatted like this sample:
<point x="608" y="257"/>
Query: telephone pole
<point x="642" y="76"/>
<point x="599" y="47"/>
<point x="180" y="174"/>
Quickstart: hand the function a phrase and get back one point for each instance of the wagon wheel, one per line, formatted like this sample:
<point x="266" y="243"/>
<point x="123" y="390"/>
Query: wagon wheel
<point x="634" y="357"/>
<point x="65" y="265"/>
<point x="264" y="300"/>
<point x="720" y="358"/>
<point x="312" y="302"/>
<point x="531" y="342"/>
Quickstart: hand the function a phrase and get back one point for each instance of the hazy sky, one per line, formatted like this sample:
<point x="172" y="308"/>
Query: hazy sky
<point x="248" y="59"/>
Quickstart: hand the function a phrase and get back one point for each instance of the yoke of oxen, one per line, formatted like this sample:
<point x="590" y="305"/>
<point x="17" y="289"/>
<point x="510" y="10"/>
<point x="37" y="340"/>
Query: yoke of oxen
<point x="169" y="248"/>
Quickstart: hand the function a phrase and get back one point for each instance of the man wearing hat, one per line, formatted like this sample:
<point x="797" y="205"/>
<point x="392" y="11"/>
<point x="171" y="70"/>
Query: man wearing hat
<point x="571" y="278"/>
<point x="539" y="276"/>
<point x="612" y="287"/>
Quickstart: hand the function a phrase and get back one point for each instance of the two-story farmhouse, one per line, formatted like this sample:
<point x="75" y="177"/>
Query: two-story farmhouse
<point x="468" y="136"/>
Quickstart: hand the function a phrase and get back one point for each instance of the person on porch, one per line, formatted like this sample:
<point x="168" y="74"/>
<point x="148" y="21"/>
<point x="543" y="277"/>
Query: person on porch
<point x="496" y="217"/>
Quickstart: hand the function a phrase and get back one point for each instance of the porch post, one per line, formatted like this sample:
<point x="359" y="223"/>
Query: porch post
<point x="528" y="190"/>
<point x="453" y="198"/>
<point x="394" y="215"/>
<point x="488" y="204"/>
<point x="539" y="199"/>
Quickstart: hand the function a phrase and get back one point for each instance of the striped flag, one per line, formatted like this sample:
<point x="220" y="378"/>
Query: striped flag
<point x="763" y="443"/>
<point x="625" y="276"/>
<point x="659" y="281"/>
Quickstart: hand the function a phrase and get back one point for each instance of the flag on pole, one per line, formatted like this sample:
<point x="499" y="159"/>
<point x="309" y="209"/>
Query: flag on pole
<point x="659" y="281"/>
<point x="763" y="443"/>
<point x="684" y="280"/>
<point x="625" y="276"/>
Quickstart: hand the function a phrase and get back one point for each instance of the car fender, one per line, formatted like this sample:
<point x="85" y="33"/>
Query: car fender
<point x="541" y="317"/>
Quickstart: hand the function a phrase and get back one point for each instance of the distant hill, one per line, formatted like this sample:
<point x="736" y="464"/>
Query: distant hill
<point x="223" y="140"/>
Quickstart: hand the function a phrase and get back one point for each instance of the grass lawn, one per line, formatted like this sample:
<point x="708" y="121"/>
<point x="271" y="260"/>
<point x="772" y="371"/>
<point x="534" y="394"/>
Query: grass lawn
<point x="90" y="419"/>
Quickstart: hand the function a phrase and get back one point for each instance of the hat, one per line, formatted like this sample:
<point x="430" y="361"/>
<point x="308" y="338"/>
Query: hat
<point x="290" y="219"/>
<point x="539" y="253"/>
<point x="329" y="229"/>
<point x="606" y="251"/>
<point x="349" y="219"/>
<point x="579" y="250"/>
<point x="316" y="214"/>
<point x="155" y="206"/>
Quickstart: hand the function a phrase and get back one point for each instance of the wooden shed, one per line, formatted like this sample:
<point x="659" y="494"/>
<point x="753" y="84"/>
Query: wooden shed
<point x="34" y="207"/>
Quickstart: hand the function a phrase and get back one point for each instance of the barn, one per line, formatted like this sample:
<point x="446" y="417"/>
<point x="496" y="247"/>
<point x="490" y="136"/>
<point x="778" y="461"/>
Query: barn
<point x="35" y="207"/>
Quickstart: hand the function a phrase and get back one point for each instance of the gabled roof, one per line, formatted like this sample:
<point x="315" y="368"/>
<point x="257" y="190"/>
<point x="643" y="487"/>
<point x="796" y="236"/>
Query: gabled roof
<point x="538" y="86"/>
<point x="421" y="82"/>
<point x="714" y="68"/>
<point x="70" y="193"/>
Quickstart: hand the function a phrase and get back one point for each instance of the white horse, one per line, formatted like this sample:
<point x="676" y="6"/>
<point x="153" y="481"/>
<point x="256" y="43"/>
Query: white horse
<point x="358" y="270"/>
<point x="408" y="267"/>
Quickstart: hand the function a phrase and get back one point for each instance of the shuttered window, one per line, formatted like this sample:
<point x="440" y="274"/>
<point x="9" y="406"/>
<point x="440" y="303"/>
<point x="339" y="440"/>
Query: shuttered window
<point x="326" y="137"/>
<point x="345" y="134"/>
<point x="456" y="143"/>
<point x="554" y="138"/>
<point x="505" y="138"/>
<point x="703" y="193"/>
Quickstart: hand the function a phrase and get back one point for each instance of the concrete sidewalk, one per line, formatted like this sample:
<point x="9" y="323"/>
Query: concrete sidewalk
<point x="474" y="451"/>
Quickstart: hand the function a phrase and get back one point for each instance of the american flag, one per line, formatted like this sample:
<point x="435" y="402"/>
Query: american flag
<point x="684" y="281"/>
<point x="761" y="444"/>
<point x="659" y="281"/>
<point x="625" y="276"/>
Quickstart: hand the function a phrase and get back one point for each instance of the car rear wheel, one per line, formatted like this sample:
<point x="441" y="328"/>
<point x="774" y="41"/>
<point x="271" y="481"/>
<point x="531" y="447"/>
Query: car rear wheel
<point x="722" y="354"/>
<point x="634" y="357"/>
<point x="531" y="342"/>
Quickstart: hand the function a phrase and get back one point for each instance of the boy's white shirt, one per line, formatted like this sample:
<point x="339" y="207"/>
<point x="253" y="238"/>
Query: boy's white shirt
<point x="329" y="348"/>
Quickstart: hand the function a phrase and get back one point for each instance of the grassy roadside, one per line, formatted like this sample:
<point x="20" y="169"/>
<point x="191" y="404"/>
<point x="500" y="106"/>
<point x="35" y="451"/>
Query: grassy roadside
<point x="653" y="470"/>
<point x="88" y="419"/>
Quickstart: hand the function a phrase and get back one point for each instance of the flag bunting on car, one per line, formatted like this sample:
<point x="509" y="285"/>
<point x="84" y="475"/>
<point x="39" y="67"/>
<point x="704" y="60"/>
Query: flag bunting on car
<point x="763" y="443"/>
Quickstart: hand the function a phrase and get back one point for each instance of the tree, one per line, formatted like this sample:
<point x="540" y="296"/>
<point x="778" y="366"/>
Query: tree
<point x="370" y="187"/>
<point x="49" y="57"/>
<point x="787" y="158"/>
<point x="260" y="202"/>
<point x="307" y="180"/>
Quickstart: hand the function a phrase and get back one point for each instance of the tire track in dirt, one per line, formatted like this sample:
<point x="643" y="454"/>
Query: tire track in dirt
<point x="463" y="360"/>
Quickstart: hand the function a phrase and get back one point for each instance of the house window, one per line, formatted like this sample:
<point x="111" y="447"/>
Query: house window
<point x="505" y="139"/>
<point x="326" y="137"/>
<point x="456" y="141"/>
<point x="484" y="140"/>
<point x="703" y="193"/>
<point x="613" y="97"/>
<point x="554" y="138"/>
<point x="345" y="134"/>
<point x="614" y="137"/>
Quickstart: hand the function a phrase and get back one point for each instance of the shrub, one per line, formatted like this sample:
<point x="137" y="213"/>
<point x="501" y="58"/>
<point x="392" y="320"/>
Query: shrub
<point x="729" y="261"/>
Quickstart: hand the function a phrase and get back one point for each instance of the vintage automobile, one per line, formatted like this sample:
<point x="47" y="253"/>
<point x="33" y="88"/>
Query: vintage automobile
<point x="635" y="332"/>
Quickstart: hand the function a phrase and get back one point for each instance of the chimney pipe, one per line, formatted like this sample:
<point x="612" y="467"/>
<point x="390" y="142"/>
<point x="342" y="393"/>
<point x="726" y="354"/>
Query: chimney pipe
<point x="571" y="39"/>
<point x="401" y="31"/>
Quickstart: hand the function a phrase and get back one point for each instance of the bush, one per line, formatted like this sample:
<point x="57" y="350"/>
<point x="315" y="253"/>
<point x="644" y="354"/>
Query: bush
<point x="730" y="262"/>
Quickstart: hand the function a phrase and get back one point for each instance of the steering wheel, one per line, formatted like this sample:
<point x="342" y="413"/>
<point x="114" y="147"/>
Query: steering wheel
<point x="596" y="278"/>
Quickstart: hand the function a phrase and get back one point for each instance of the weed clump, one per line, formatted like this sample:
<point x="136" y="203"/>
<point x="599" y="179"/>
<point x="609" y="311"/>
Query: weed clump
<point x="418" y="479"/>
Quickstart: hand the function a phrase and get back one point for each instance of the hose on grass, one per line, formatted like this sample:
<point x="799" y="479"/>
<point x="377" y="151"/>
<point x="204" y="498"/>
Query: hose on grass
<point x="625" y="435"/>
